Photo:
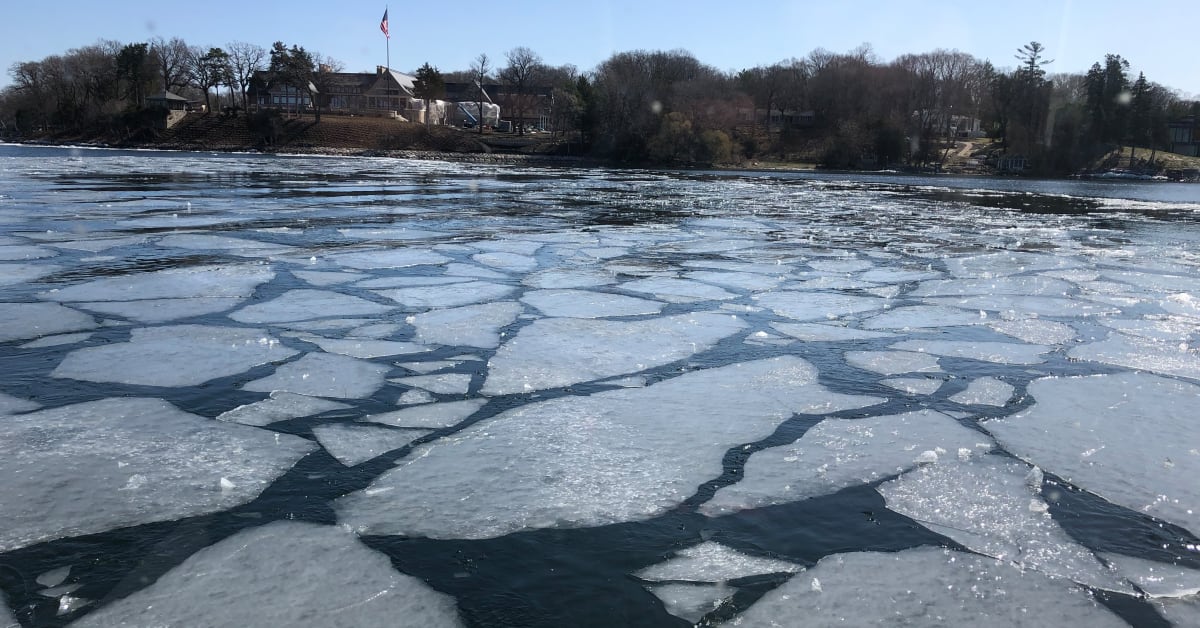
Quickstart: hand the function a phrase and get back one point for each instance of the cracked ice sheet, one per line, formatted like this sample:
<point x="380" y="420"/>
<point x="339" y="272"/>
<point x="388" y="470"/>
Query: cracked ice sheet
<point x="16" y="253"/>
<point x="1128" y="437"/>
<point x="356" y="444"/>
<point x="1008" y="263"/>
<point x="674" y="290"/>
<point x="324" y="375"/>
<point x="364" y="347"/>
<point x="985" y="391"/>
<point x="236" y="246"/>
<point x="839" y="453"/>
<point x="447" y="296"/>
<point x="1023" y="285"/>
<point x="444" y="384"/>
<point x="1142" y="354"/>
<point x="1036" y="331"/>
<point x="550" y="353"/>
<point x="690" y="602"/>
<point x="922" y="317"/>
<point x="114" y="463"/>
<point x="818" y="332"/>
<point x="508" y="262"/>
<point x="178" y="355"/>
<point x="469" y="326"/>
<point x="296" y="574"/>
<point x="913" y="385"/>
<point x="305" y="304"/>
<point x="589" y="304"/>
<point x="34" y="320"/>
<point x="713" y="562"/>
<point x="996" y="352"/>
<point x="13" y="274"/>
<point x="619" y="455"/>
<point x="155" y="311"/>
<point x="1020" y="306"/>
<point x="558" y="278"/>
<point x="741" y="281"/>
<point x="327" y="278"/>
<point x="1155" y="578"/>
<point x="388" y="258"/>
<point x="173" y="283"/>
<point x="893" y="362"/>
<point x="802" y="306"/>
<point x="280" y="406"/>
<point x="925" y="586"/>
<point x="988" y="505"/>
<point x="429" y="415"/>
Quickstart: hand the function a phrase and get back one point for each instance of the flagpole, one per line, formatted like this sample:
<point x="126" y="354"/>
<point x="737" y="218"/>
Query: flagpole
<point x="388" y="37"/>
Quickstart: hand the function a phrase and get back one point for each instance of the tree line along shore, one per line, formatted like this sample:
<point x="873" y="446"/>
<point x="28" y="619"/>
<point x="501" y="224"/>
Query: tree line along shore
<point x="939" y="111"/>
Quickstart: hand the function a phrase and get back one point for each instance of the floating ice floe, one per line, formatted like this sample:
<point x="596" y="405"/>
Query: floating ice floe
<point x="1143" y="354"/>
<point x="406" y="281"/>
<point x="428" y="367"/>
<point x="1127" y="437"/>
<point x="413" y="397"/>
<point x="324" y="375"/>
<point x="356" y="444"/>
<point x="1183" y="613"/>
<point x="430" y="415"/>
<point x="12" y="405"/>
<point x="691" y="602"/>
<point x="305" y="304"/>
<point x="818" y="332"/>
<point x="549" y="353"/>
<point x="1174" y="331"/>
<point x="324" y="278"/>
<point x="236" y="246"/>
<point x="365" y="347"/>
<point x="713" y="562"/>
<point x="740" y="281"/>
<point x="280" y="406"/>
<point x="1036" y="331"/>
<point x="619" y="455"/>
<point x="13" y="274"/>
<point x="921" y="587"/>
<point x="898" y="275"/>
<point x="7" y="620"/>
<point x="471" y="271"/>
<point x="177" y="355"/>
<point x="375" y="330"/>
<point x="997" y="352"/>
<point x="805" y="306"/>
<point x="100" y="465"/>
<point x="985" y="391"/>
<point x="1027" y="285"/>
<point x="1020" y="306"/>
<point x="444" y="384"/>
<point x="34" y="320"/>
<point x="839" y="453"/>
<point x="388" y="258"/>
<point x="295" y="574"/>
<point x="16" y="253"/>
<point x="558" y="278"/>
<point x="521" y="247"/>
<point x="922" y="317"/>
<point x="893" y="362"/>
<point x="840" y="265"/>
<point x="509" y="262"/>
<point x="987" y="504"/>
<point x="468" y="326"/>
<point x="1008" y="263"/>
<point x="1156" y="579"/>
<point x="452" y="295"/>
<point x="588" y="304"/>
<point x="913" y="385"/>
<point x="674" y="290"/>
<point x="173" y="283"/>
<point x="155" y="311"/>
<point x="390" y="234"/>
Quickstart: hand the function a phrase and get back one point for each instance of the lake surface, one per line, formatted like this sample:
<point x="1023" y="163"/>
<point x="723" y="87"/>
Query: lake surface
<point x="250" y="390"/>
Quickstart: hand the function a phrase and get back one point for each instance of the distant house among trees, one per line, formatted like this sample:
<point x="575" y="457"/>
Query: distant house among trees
<point x="1185" y="136"/>
<point x="174" y="108"/>
<point x="384" y="93"/>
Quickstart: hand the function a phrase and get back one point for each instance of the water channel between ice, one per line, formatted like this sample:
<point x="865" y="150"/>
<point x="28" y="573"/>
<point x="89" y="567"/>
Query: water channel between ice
<point x="238" y="390"/>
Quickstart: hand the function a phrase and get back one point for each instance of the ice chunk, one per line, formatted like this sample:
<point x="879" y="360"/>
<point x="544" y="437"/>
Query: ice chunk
<point x="13" y="274"/>
<point x="300" y="305"/>
<point x="469" y="326"/>
<point x="713" y="562"/>
<point x="1168" y="330"/>
<point x="588" y="304"/>
<point x="447" y="296"/>
<point x="54" y="577"/>
<point x="818" y="332"/>
<point x="898" y="275"/>
<point x="33" y="320"/>
<point x="16" y="253"/>
<point x="1154" y="578"/>
<point x="510" y="262"/>
<point x="741" y="281"/>
<point x="68" y="470"/>
<point x="986" y="505"/>
<point x="1127" y="437"/>
<point x="838" y="453"/>
<point x="985" y="391"/>
<point x="390" y="234"/>
<point x="327" y="278"/>
<point x="1008" y="263"/>
<point x="691" y="602"/>
<point x="280" y="406"/>
<point x="237" y="246"/>
<point x="355" y="444"/>
<point x="413" y="397"/>
<point x="365" y="348"/>
<point x="324" y="375"/>
<point x="432" y="416"/>
<point x="407" y="281"/>
<point x="179" y="355"/>
<point x="1142" y="354"/>
<point x="375" y="330"/>
<point x="914" y="385"/>
<point x="1023" y="285"/>
<point x="1184" y="613"/>
<point x="560" y="278"/>
<point x="295" y="574"/>
<point x="840" y="265"/>
<point x="586" y="461"/>
<point x="473" y="271"/>
<point x="806" y="306"/>
<point x="57" y="341"/>
<point x="389" y="258"/>
<point x="1036" y="331"/>
<point x="174" y="283"/>
<point x="523" y="247"/>
<point x="1021" y="306"/>
<point x="13" y="405"/>
<point x="677" y="290"/>
<point x="922" y="317"/>
<point x="926" y="586"/>
<point x="893" y="362"/>
<point x="162" y="310"/>
<point x="444" y="384"/>
<point x="555" y="352"/>
<point x="428" y="367"/>
<point x="997" y="352"/>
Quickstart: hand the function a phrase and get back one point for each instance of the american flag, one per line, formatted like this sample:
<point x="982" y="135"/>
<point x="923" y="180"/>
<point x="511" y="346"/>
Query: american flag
<point x="383" y="26"/>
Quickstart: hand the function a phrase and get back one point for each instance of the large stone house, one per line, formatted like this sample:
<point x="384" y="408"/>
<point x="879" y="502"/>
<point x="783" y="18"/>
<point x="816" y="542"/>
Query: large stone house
<point x="384" y="93"/>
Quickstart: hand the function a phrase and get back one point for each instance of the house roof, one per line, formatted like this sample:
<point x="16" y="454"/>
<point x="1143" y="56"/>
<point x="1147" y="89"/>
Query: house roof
<point x="167" y="96"/>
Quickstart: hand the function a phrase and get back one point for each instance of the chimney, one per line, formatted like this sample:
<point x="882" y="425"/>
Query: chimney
<point x="379" y="69"/>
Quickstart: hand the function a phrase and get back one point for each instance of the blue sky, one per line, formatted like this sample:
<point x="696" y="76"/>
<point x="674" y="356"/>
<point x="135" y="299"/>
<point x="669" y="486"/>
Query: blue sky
<point x="1156" y="36"/>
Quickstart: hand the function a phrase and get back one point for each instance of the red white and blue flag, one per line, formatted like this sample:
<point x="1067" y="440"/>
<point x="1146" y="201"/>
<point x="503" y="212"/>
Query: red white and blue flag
<point x="383" y="25"/>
